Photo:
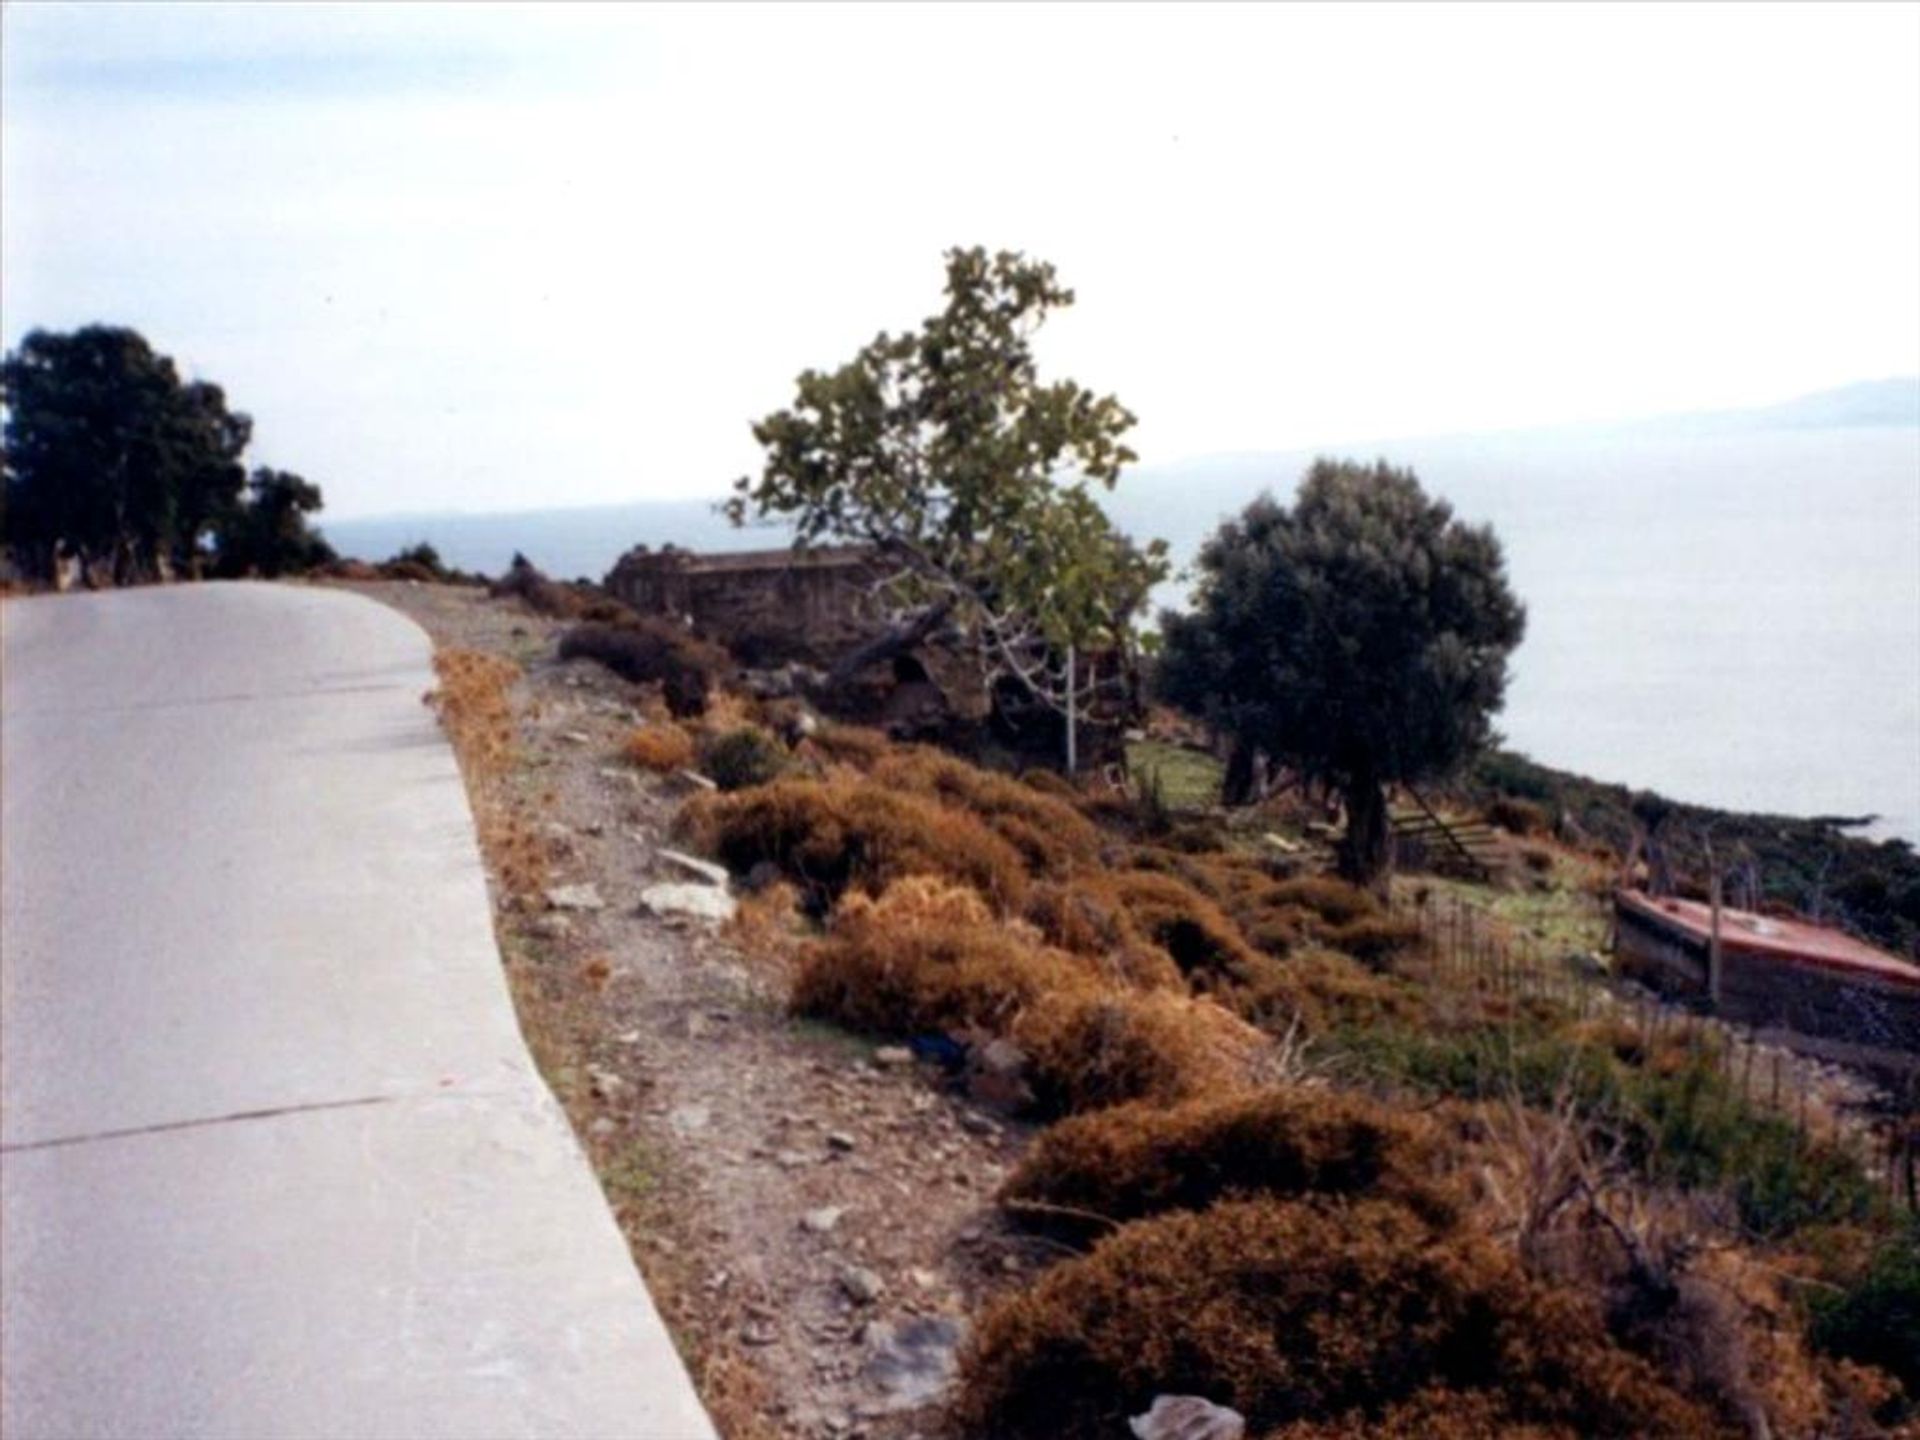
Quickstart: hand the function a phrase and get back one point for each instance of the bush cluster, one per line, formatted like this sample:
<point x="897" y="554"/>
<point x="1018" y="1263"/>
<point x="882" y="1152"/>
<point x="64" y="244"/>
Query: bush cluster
<point x="1316" y="1257"/>
<point x="1135" y="1161"/>
<point x="827" y="836"/>
<point x="663" y="748"/>
<point x="1676" y="1118"/>
<point x="743" y="757"/>
<point x="646" y="649"/>
<point x="1288" y="1310"/>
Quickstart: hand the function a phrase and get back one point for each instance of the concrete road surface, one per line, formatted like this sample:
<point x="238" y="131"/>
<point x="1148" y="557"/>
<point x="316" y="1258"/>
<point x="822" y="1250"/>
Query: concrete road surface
<point x="273" y="1158"/>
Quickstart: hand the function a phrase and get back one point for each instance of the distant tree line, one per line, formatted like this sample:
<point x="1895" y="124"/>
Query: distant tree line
<point x="115" y="464"/>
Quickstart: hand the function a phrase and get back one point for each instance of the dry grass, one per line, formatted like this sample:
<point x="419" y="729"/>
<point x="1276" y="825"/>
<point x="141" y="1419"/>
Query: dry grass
<point x="475" y="705"/>
<point x="1135" y="1161"/>
<point x="662" y="748"/>
<point x="828" y="836"/>
<point x="1291" y="1311"/>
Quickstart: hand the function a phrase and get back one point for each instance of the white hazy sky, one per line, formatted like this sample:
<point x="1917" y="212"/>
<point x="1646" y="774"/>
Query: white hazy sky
<point x="486" y="257"/>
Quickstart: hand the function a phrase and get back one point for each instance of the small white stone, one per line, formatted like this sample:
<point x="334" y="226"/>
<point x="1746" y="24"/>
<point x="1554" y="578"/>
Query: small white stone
<point x="575" y="897"/>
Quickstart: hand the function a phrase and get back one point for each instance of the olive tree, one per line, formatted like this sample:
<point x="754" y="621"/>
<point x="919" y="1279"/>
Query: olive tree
<point x="969" y="477"/>
<point x="1360" y="636"/>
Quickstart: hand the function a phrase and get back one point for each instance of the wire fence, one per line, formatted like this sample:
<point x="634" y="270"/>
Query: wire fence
<point x="1467" y="946"/>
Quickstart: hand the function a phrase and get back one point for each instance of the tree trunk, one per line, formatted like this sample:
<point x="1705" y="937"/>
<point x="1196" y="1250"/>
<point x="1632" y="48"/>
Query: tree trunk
<point x="1366" y="854"/>
<point x="896" y="641"/>
<point x="1237" y="788"/>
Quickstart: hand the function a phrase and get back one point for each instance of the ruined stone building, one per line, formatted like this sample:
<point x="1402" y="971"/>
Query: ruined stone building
<point x="813" y="607"/>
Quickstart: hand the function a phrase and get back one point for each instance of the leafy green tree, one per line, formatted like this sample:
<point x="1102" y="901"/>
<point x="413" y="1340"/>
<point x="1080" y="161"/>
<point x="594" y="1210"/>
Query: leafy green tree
<point x="108" y="452"/>
<point x="1360" y="636"/>
<point x="269" y="534"/>
<point x="968" y="476"/>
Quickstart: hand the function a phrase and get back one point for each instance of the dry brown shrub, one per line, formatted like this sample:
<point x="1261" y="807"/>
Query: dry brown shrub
<point x="727" y="711"/>
<point x="1292" y="1311"/>
<point x="927" y="957"/>
<point x="1206" y="945"/>
<point x="828" y="836"/>
<point x="1088" y="1049"/>
<point x="646" y="648"/>
<point x="1051" y="782"/>
<point x="1275" y="932"/>
<point x="1334" y="901"/>
<point x="1144" y="922"/>
<point x="662" y="748"/>
<point x="850" y="745"/>
<point x="1081" y="916"/>
<point x="1518" y="817"/>
<point x="1436" y="1414"/>
<point x="1348" y="993"/>
<point x="1376" y="939"/>
<point x="473" y="701"/>
<point x="1051" y="834"/>
<point x="1136" y="1160"/>
<point x="1086" y="919"/>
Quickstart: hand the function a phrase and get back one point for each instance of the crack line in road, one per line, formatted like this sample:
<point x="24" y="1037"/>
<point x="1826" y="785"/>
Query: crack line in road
<point x="205" y="700"/>
<point x="164" y="1126"/>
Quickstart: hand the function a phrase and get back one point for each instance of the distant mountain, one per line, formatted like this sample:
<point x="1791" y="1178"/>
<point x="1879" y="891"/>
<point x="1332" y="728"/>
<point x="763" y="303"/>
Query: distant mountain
<point x="1869" y="402"/>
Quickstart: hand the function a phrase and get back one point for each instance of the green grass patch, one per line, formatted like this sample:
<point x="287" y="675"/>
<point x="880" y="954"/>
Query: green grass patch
<point x="1563" y="920"/>
<point x="634" y="1174"/>
<point x="1188" y="779"/>
<point x="1677" y="1119"/>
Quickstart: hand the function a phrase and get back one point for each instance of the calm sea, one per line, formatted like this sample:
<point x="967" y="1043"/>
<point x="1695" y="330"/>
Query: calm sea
<point x="1732" y="620"/>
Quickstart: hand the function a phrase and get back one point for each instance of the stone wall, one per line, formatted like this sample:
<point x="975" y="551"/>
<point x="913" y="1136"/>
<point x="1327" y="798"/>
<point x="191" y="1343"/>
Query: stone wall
<point x="770" y="606"/>
<point x="814" y="607"/>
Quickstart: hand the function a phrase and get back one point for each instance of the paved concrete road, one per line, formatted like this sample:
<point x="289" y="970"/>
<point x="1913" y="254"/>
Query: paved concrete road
<point x="273" y="1158"/>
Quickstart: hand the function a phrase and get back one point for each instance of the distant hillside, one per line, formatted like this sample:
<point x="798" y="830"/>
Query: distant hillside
<point x="1870" y="402"/>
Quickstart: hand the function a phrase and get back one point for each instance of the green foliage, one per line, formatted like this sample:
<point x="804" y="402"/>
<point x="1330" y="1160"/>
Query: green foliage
<point x="110" y="453"/>
<point x="420" y="554"/>
<point x="745" y="757"/>
<point x="943" y="450"/>
<point x="1876" y="1320"/>
<point x="1187" y="779"/>
<point x="1676" y="1119"/>
<point x="269" y="534"/>
<point x="1360" y="636"/>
